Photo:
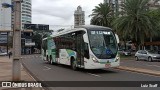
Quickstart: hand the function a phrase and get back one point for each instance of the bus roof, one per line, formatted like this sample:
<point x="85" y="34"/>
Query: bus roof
<point x="79" y="28"/>
<point x="92" y="27"/>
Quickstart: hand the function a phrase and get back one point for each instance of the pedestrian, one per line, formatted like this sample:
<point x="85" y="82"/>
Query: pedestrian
<point x="9" y="54"/>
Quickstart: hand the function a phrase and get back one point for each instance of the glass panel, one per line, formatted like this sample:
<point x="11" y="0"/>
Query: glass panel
<point x="103" y="43"/>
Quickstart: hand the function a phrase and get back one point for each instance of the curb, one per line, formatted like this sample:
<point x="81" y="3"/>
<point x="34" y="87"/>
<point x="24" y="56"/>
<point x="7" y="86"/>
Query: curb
<point x="140" y="70"/>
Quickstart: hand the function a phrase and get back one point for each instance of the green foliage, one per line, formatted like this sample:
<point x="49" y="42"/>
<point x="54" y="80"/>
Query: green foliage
<point x="38" y="36"/>
<point x="37" y="39"/>
<point x="136" y="21"/>
<point x="102" y="15"/>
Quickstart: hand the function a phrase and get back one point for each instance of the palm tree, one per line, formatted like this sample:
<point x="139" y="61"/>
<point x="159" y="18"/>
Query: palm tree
<point x="136" y="22"/>
<point x="155" y="14"/>
<point x="102" y="15"/>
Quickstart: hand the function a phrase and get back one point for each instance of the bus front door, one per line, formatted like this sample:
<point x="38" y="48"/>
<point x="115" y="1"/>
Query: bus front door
<point x="80" y="50"/>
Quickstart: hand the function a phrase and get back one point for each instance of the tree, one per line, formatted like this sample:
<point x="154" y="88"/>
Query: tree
<point x="102" y="15"/>
<point x="39" y="35"/>
<point x="37" y="40"/>
<point x="136" y="22"/>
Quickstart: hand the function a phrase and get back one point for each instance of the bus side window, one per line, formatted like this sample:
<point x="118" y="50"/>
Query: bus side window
<point x="86" y="50"/>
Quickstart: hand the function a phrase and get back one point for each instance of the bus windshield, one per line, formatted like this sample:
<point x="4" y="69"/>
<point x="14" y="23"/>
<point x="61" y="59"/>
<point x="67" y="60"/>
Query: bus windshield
<point x="103" y="43"/>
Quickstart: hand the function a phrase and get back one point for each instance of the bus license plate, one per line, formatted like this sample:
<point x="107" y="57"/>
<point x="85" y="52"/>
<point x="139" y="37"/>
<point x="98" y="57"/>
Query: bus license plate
<point x="107" y="65"/>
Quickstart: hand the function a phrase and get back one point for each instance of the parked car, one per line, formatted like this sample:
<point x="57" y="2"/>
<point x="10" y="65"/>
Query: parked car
<point x="125" y="52"/>
<point x="3" y="53"/>
<point x="147" y="55"/>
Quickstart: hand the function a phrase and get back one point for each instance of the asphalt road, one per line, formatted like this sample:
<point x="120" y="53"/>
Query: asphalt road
<point x="46" y="72"/>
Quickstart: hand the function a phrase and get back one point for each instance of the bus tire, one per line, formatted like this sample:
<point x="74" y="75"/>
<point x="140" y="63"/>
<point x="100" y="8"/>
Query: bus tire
<point x="73" y="64"/>
<point x="47" y="59"/>
<point x="51" y="62"/>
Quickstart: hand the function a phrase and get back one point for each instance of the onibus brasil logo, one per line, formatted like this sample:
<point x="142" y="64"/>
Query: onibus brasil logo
<point x="21" y="84"/>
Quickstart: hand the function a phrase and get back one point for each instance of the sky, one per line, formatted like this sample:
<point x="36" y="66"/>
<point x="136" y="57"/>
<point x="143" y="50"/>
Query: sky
<point x="60" y="13"/>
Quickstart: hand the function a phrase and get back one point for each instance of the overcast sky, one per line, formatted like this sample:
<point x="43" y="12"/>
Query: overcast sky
<point x="60" y="12"/>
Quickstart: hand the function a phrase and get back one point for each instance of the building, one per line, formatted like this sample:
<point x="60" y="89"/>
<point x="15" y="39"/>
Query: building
<point x="154" y="4"/>
<point x="30" y="44"/>
<point x="117" y="5"/>
<point x="120" y="3"/>
<point x="79" y="17"/>
<point x="26" y="36"/>
<point x="114" y="5"/>
<point x="5" y="16"/>
<point x="26" y="13"/>
<point x="26" y="42"/>
<point x="5" y="25"/>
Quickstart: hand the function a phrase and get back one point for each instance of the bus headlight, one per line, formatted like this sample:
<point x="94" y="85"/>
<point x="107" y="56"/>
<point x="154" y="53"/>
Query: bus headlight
<point x="117" y="58"/>
<point x="94" y="59"/>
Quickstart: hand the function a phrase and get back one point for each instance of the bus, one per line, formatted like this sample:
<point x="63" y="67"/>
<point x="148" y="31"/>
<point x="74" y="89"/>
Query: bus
<point x="88" y="47"/>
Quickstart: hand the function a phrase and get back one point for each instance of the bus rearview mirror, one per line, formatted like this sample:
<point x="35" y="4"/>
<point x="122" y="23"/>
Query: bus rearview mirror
<point x="117" y="38"/>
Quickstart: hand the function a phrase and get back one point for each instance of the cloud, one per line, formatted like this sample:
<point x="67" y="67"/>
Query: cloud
<point x="60" y="12"/>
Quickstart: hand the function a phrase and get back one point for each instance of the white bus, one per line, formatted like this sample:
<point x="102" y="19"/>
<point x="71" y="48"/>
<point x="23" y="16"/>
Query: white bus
<point x="88" y="47"/>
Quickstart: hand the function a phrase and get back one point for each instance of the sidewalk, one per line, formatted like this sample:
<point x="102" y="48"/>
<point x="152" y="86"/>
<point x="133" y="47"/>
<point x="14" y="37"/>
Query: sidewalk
<point x="145" y="67"/>
<point x="6" y="73"/>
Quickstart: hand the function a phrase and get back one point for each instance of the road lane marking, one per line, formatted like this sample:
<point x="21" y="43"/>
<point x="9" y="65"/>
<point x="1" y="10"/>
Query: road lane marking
<point x="153" y="65"/>
<point x="46" y="68"/>
<point x="94" y="74"/>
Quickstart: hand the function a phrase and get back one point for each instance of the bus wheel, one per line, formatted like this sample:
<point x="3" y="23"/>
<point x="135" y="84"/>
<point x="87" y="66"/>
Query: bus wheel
<point x="47" y="60"/>
<point x="51" y="62"/>
<point x="73" y="64"/>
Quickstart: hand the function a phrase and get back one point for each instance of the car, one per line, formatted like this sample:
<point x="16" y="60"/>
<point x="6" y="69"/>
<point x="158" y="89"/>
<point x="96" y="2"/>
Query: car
<point x="125" y="52"/>
<point x="148" y="55"/>
<point x="3" y="53"/>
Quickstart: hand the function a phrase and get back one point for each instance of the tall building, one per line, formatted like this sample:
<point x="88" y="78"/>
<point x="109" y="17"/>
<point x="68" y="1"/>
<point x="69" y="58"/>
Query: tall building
<point x="27" y="43"/>
<point x="79" y="17"/>
<point x="26" y="13"/>
<point x="154" y="4"/>
<point x="114" y="5"/>
<point x="5" y="25"/>
<point x="5" y="16"/>
<point x="26" y="9"/>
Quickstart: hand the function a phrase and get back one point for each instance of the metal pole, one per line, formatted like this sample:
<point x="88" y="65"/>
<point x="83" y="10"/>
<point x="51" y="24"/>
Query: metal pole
<point x="16" y="66"/>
